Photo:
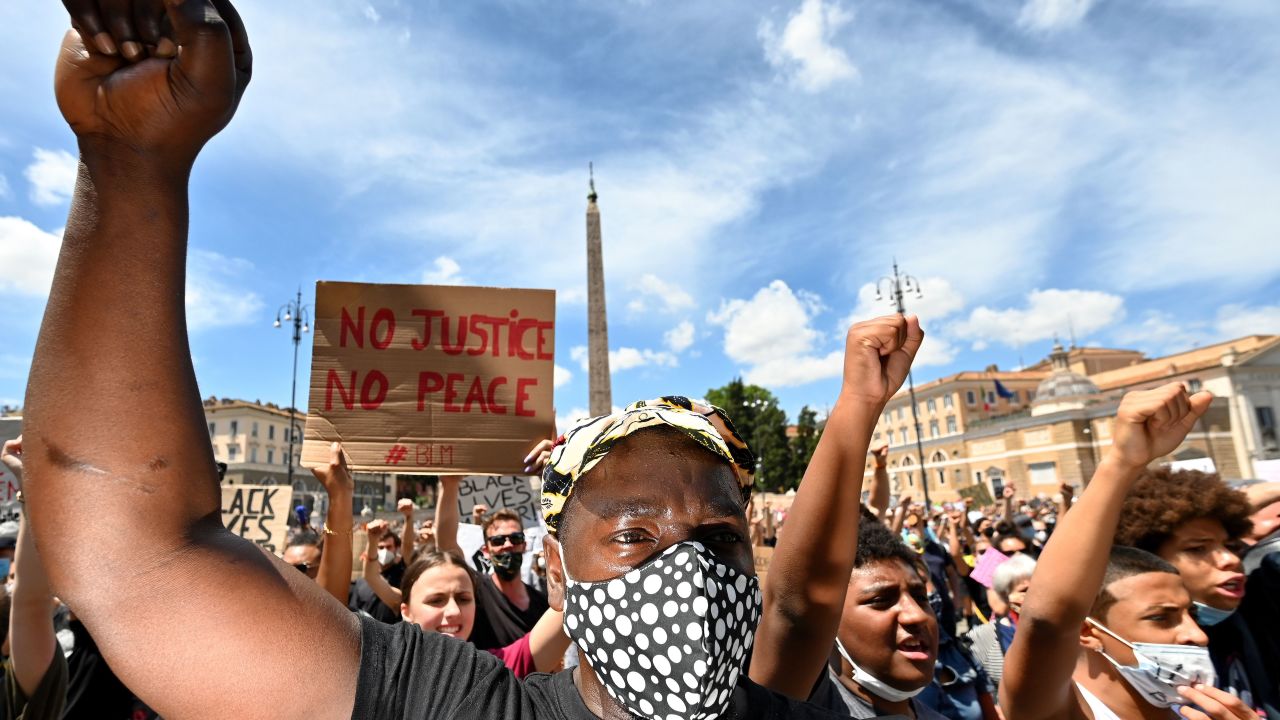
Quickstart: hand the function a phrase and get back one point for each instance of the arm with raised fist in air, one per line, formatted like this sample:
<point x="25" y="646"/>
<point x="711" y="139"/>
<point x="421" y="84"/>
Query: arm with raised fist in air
<point x="804" y="591"/>
<point x="127" y="514"/>
<point x="1055" y="655"/>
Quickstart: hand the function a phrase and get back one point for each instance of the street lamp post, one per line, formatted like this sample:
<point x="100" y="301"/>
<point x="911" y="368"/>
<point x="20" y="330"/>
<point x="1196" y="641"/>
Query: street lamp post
<point x="894" y="289"/>
<point x="296" y="313"/>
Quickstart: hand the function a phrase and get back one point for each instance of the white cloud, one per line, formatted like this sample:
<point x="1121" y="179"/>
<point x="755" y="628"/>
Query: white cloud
<point x="1048" y="312"/>
<point x="772" y="335"/>
<point x="444" y="271"/>
<point x="215" y="293"/>
<point x="1049" y="15"/>
<point x="654" y="291"/>
<point x="562" y="376"/>
<point x="625" y="358"/>
<point x="52" y="175"/>
<point x="804" y="47"/>
<point x="938" y="300"/>
<point x="679" y="338"/>
<point x="372" y="13"/>
<point x="1159" y="333"/>
<point x="27" y="257"/>
<point x="1238" y="320"/>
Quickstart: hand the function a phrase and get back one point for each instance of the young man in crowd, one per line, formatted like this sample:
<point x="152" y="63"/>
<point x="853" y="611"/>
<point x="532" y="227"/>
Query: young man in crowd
<point x="1110" y="634"/>
<point x="507" y="608"/>
<point x="167" y="586"/>
<point x="1193" y="520"/>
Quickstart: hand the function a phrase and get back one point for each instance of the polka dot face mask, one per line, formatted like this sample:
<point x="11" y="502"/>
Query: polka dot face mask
<point x="668" y="639"/>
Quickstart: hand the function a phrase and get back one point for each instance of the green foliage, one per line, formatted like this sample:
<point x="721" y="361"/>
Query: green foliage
<point x="763" y="424"/>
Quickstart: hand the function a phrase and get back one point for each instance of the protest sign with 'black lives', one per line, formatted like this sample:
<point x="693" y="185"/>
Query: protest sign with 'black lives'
<point x="430" y="379"/>
<point x="259" y="513"/>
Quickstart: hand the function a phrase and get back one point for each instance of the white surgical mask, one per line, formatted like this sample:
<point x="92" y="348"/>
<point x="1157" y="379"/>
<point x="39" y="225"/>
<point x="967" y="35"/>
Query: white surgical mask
<point x="1208" y="616"/>
<point x="875" y="685"/>
<point x="1162" y="668"/>
<point x="385" y="556"/>
<point x="8" y="587"/>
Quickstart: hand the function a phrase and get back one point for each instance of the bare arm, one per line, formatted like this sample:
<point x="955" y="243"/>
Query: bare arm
<point x="1008" y="494"/>
<point x="447" y="515"/>
<point x="878" y="499"/>
<point x="372" y="571"/>
<point x="1068" y="492"/>
<point x="804" y="592"/>
<point x="407" y="534"/>
<point x="335" y="560"/>
<point x="31" y="638"/>
<point x="128" y="513"/>
<point x="548" y="642"/>
<point x="899" y="514"/>
<point x="1037" y="671"/>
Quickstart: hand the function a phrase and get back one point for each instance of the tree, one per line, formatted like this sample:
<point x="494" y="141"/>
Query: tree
<point x="763" y="424"/>
<point x="805" y="441"/>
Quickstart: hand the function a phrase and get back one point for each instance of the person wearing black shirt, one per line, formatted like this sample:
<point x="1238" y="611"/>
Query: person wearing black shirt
<point x="198" y="620"/>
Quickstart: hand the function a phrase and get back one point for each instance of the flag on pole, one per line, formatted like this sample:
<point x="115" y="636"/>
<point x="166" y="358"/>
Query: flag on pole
<point x="1003" y="391"/>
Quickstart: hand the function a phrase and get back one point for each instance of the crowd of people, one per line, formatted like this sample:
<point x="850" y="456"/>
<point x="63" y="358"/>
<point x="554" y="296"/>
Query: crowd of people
<point x="1151" y="595"/>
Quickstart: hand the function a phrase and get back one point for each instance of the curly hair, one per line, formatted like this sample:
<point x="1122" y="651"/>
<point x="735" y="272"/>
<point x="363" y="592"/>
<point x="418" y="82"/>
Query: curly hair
<point x="877" y="542"/>
<point x="1162" y="500"/>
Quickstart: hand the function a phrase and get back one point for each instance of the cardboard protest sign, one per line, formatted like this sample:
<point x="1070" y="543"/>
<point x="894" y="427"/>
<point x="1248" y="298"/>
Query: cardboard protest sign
<point x="499" y="491"/>
<point x="980" y="494"/>
<point x="259" y="513"/>
<point x="430" y="379"/>
<point x="8" y="485"/>
<point x="763" y="556"/>
<point x="986" y="567"/>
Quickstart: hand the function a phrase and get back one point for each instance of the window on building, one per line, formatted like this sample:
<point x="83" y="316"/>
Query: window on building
<point x="232" y="452"/>
<point x="1045" y="473"/>
<point x="951" y="425"/>
<point x="942" y="477"/>
<point x="1031" y="396"/>
<point x="875" y="438"/>
<point x="948" y="401"/>
<point x="970" y="398"/>
<point x="887" y="418"/>
<point x="271" y="432"/>
<point x="905" y="438"/>
<point x="899" y="413"/>
<point x="254" y="430"/>
<point x="271" y="456"/>
<point x="1017" y="397"/>
<point x="933" y="428"/>
<point x="991" y="397"/>
<point x="932" y="405"/>
<point x="213" y="428"/>
<point x="235" y="427"/>
<point x="977" y="476"/>
<point x="1194" y="385"/>
<point x="959" y="475"/>
<point x="253" y="454"/>
<point x="1267" y="426"/>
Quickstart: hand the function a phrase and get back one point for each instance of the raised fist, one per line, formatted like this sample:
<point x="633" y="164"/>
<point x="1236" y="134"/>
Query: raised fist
<point x="405" y="507"/>
<point x="375" y="530"/>
<point x="165" y="106"/>
<point x="878" y="355"/>
<point x="1008" y="492"/>
<point x="1152" y="423"/>
<point x="881" y="454"/>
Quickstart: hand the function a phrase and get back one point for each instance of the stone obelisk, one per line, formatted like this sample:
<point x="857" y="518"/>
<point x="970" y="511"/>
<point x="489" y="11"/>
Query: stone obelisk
<point x="601" y="390"/>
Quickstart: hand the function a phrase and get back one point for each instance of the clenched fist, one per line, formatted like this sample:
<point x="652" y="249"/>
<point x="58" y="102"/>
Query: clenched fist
<point x="878" y="355"/>
<point x="1152" y="423"/>
<point x="162" y="103"/>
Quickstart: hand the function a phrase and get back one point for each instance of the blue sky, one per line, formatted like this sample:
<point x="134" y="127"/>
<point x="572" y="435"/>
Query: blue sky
<point x="1040" y="165"/>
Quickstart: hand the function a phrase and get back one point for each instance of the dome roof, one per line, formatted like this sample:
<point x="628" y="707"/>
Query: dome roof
<point x="1063" y="383"/>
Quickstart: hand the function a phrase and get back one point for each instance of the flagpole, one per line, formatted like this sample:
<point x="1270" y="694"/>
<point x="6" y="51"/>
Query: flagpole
<point x="899" y="285"/>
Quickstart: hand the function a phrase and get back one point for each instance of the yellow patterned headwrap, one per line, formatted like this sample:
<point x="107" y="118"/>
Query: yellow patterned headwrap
<point x="586" y="444"/>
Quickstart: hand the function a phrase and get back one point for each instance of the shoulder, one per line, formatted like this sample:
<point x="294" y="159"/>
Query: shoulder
<point x="754" y="702"/>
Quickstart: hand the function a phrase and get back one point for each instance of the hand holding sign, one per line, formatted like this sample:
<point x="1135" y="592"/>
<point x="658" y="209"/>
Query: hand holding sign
<point x="1153" y="423"/>
<point x="335" y="476"/>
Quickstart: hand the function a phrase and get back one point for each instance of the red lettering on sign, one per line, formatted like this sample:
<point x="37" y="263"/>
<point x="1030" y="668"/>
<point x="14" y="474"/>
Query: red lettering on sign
<point x="542" y="340"/>
<point x="494" y="407"/>
<point x="347" y="395"/>
<point x="426" y="316"/>
<point x="518" y="330"/>
<point x="388" y="320"/>
<point x="428" y="382"/>
<point x="453" y="348"/>
<point x="355" y="327"/>
<point x="451" y="392"/>
<point x="372" y="400"/>
<point x="522" y="396"/>
<point x="475" y="395"/>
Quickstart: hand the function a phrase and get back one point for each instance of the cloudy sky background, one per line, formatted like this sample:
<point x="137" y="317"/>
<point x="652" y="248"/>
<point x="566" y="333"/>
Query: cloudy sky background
<point x="1041" y="165"/>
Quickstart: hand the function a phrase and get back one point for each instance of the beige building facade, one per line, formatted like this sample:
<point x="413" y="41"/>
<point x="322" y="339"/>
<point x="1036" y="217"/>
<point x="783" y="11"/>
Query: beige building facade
<point x="1053" y="424"/>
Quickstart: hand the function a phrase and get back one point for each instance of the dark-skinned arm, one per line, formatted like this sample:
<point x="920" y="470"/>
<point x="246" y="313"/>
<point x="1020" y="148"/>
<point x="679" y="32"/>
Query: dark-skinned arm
<point x="335" y="560"/>
<point x="127" y="513"/>
<point x="878" y="497"/>
<point x="1036" y="684"/>
<point x="804" y="592"/>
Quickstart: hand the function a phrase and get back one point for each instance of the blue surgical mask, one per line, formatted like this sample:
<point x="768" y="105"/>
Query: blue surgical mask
<point x="1207" y="616"/>
<point x="4" y="568"/>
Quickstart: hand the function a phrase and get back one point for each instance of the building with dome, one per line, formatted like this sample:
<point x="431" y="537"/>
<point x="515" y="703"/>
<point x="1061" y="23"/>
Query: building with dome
<point x="1050" y="423"/>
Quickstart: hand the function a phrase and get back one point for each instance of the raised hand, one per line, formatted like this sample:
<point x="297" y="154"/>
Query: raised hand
<point x="166" y="108"/>
<point x="881" y="454"/>
<point x="537" y="458"/>
<point x="1216" y="704"/>
<point x="11" y="456"/>
<point x="878" y="355"/>
<point x="406" y="507"/>
<point x="1008" y="492"/>
<point x="1152" y="423"/>
<point x="375" y="530"/>
<point x="335" y="476"/>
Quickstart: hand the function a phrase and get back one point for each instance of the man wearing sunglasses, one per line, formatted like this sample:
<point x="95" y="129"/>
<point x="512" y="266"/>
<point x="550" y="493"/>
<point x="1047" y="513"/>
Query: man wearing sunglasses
<point x="506" y="607"/>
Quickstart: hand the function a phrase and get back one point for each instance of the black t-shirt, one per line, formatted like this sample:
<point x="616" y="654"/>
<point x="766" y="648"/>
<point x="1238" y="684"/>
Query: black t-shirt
<point x="93" y="690"/>
<point x="406" y="673"/>
<point x="499" y="623"/>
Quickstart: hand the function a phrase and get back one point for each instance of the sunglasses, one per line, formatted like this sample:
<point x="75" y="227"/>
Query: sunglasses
<point x="305" y="568"/>
<point x="516" y="538"/>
